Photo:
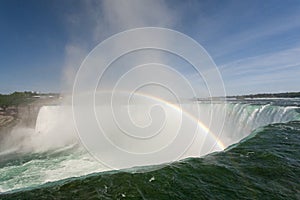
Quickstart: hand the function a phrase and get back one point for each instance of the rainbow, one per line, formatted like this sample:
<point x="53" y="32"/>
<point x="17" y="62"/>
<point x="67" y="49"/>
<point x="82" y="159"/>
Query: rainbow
<point x="203" y="127"/>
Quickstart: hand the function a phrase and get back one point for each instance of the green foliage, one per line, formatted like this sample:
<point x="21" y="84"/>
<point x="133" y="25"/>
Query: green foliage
<point x="268" y="95"/>
<point x="15" y="98"/>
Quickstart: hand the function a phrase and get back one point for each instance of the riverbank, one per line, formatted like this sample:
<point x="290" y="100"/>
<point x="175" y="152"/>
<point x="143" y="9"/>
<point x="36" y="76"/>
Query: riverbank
<point x="21" y="108"/>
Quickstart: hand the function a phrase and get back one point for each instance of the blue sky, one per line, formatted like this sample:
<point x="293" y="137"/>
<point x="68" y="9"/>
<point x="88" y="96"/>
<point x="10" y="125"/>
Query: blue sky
<point x="255" y="44"/>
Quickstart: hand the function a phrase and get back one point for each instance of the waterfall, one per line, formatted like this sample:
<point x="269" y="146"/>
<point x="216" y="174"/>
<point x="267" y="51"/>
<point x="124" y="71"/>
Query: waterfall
<point x="55" y="123"/>
<point x="55" y="132"/>
<point x="55" y="127"/>
<point x="241" y="118"/>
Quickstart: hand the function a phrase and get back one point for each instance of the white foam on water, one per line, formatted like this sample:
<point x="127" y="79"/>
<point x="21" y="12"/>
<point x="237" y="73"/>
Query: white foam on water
<point x="55" y="133"/>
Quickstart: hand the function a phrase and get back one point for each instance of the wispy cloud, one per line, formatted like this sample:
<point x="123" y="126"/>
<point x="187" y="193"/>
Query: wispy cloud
<point x="269" y="72"/>
<point x="101" y="19"/>
<point x="255" y="34"/>
<point x="236" y="28"/>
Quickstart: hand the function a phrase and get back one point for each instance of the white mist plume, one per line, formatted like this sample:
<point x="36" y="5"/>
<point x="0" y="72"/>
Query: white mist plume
<point x="54" y="129"/>
<point x="89" y="25"/>
<point x="180" y="136"/>
<point x="99" y="20"/>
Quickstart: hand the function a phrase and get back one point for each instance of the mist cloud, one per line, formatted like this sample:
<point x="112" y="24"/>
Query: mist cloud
<point x="99" y="20"/>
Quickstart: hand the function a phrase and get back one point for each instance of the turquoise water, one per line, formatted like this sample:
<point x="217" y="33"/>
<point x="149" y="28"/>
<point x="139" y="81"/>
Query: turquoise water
<point x="264" y="165"/>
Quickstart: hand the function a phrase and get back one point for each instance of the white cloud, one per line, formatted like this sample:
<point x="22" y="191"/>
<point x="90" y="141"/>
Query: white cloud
<point x="97" y="20"/>
<point x="269" y="72"/>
